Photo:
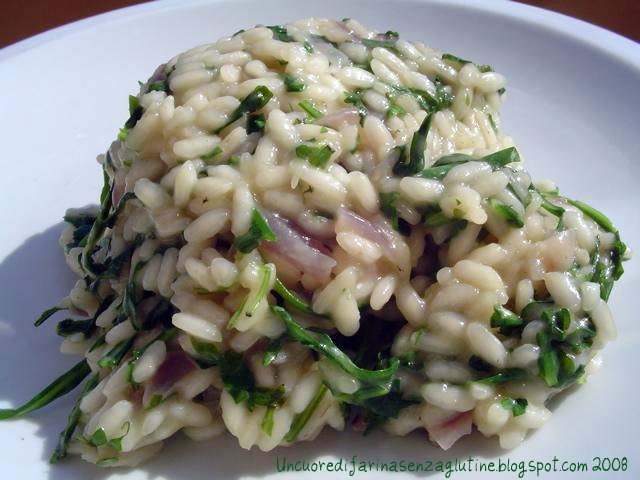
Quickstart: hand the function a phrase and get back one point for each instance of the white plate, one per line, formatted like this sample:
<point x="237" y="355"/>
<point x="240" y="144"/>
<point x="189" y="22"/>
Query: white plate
<point x="572" y="108"/>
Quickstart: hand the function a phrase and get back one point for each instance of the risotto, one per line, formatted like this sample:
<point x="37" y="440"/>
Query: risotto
<point x="318" y="225"/>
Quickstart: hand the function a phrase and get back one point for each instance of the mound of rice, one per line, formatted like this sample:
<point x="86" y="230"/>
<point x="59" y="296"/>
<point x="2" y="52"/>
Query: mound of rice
<point x="317" y="225"/>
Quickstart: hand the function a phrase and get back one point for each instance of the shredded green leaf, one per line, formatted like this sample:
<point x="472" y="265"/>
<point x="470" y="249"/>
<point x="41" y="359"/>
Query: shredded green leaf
<point x="316" y="156"/>
<point x="310" y="108"/>
<point x="258" y="231"/>
<point x="59" y="387"/>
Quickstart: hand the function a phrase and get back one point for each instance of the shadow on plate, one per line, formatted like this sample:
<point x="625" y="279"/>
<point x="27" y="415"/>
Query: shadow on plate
<point x="35" y="277"/>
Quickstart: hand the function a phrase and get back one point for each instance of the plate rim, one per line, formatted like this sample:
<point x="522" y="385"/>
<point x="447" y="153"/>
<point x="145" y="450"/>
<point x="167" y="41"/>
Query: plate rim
<point x="624" y="49"/>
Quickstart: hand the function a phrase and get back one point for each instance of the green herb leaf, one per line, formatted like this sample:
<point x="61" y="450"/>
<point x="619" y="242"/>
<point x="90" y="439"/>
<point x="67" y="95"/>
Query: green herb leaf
<point x="355" y="99"/>
<point x="98" y="438"/>
<point x="453" y="58"/>
<point x="415" y="163"/>
<point x="507" y="375"/>
<point x="549" y="367"/>
<point x="64" y="438"/>
<point x="444" y="164"/>
<point x="267" y="421"/>
<point x="293" y="84"/>
<point x="596" y="215"/>
<point x="507" y="212"/>
<point x="388" y="207"/>
<point x="310" y="108"/>
<point x="47" y="314"/>
<point x="256" y="295"/>
<point x="552" y="208"/>
<point x="135" y="112"/>
<point x="86" y="261"/>
<point x="272" y="350"/>
<point x="280" y="33"/>
<point x="106" y="462"/>
<point x="70" y="326"/>
<point x="505" y="319"/>
<point x="395" y="110"/>
<point x="256" y="123"/>
<point x="113" y="217"/>
<point x="160" y="86"/>
<point x="59" y="387"/>
<point x="373" y="43"/>
<point x="291" y="298"/>
<point x="237" y="378"/>
<point x="253" y="102"/>
<point x="114" y="356"/>
<point x="316" y="156"/>
<point x="258" y="231"/>
<point x="213" y="153"/>
<point x="437" y="219"/>
<point x="517" y="406"/>
<point x="322" y="344"/>
<point x="303" y="417"/>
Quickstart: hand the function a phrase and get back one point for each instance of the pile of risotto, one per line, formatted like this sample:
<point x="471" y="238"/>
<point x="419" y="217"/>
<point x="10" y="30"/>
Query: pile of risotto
<point x="316" y="225"/>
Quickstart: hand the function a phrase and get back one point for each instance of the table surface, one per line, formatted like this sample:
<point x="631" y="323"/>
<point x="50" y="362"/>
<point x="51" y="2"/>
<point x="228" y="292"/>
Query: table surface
<point x="20" y="19"/>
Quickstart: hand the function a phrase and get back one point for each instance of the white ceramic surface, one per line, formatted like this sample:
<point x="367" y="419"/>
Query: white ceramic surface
<point x="572" y="108"/>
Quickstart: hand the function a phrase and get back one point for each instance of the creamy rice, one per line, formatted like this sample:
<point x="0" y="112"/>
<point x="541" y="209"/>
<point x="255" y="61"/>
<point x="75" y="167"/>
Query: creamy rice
<point x="317" y="225"/>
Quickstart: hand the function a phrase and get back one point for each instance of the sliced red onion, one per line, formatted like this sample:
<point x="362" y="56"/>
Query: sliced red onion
<point x="378" y="231"/>
<point x="176" y="365"/>
<point x="449" y="431"/>
<point x="303" y="252"/>
<point x="159" y="75"/>
<point x="343" y="116"/>
<point x="335" y="56"/>
<point x="249" y="145"/>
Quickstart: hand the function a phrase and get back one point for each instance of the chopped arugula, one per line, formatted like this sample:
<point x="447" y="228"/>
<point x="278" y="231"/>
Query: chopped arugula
<point x="415" y="163"/>
<point x="267" y="421"/>
<point x="64" y="438"/>
<point x="86" y="261"/>
<point x="316" y="156"/>
<point x="256" y="123"/>
<point x="388" y="207"/>
<point x="255" y="296"/>
<point x="303" y="417"/>
<point x="395" y="110"/>
<point x="374" y="382"/>
<point x="47" y="314"/>
<point x="556" y="367"/>
<point x="507" y="212"/>
<point x="114" y="356"/>
<point x="355" y="98"/>
<point x="217" y="150"/>
<point x="236" y="376"/>
<point x="504" y="376"/>
<point x="310" y="108"/>
<point x="70" y="326"/>
<point x="516" y="406"/>
<point x="253" y="102"/>
<point x="259" y="230"/>
<point x="59" y="387"/>
<point x="280" y="33"/>
<point x="292" y="298"/>
<point x="272" y="350"/>
<point x="374" y="43"/>
<point x="452" y="58"/>
<point x="505" y="319"/>
<point x="293" y="84"/>
<point x="444" y="164"/>
<point x="131" y="297"/>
